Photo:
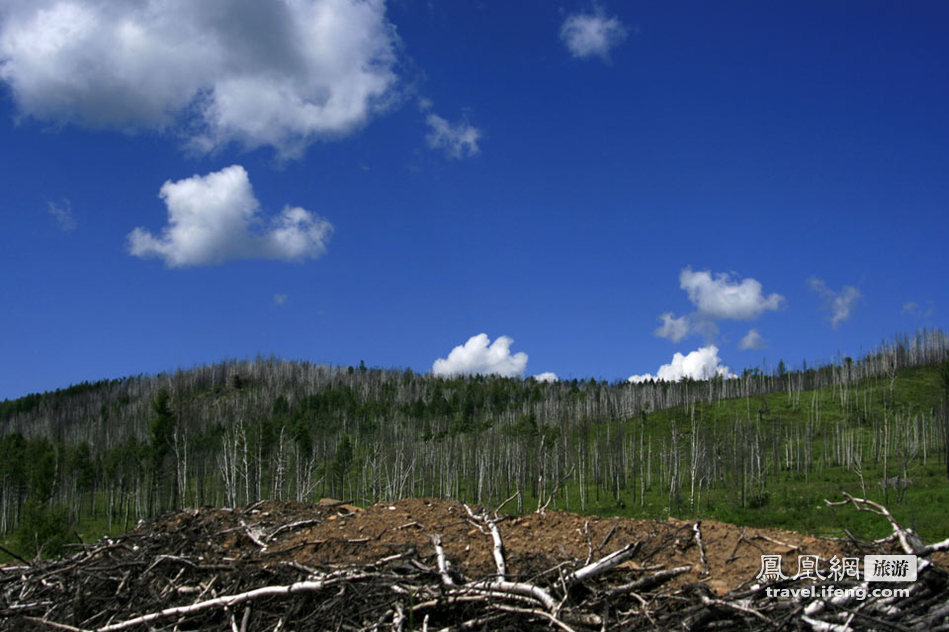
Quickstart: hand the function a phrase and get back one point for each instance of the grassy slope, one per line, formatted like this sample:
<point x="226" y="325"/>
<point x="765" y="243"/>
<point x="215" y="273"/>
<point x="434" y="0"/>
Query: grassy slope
<point x="795" y="500"/>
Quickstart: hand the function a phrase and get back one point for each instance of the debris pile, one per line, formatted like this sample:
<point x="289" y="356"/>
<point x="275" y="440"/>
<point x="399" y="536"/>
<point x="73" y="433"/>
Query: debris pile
<point x="422" y="564"/>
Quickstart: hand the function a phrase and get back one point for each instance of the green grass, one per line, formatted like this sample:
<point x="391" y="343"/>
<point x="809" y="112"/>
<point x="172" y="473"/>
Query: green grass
<point x="794" y="500"/>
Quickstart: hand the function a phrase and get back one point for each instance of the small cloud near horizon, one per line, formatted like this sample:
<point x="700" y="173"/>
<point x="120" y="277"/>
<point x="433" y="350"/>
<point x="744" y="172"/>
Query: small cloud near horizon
<point x="701" y="364"/>
<point x="480" y="356"/>
<point x="546" y="376"/>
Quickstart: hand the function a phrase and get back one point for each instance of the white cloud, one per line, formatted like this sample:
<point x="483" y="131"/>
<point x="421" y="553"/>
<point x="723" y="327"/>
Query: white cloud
<point x="215" y="218"/>
<point x="720" y="297"/>
<point x="915" y="310"/>
<point x="281" y="73"/>
<point x="280" y="299"/>
<point x="480" y="356"/>
<point x="546" y="376"/>
<point x="700" y="364"/>
<point x="63" y="215"/>
<point x="841" y="304"/>
<point x="588" y="35"/>
<point x="752" y="340"/>
<point x="458" y="140"/>
<point x="675" y="329"/>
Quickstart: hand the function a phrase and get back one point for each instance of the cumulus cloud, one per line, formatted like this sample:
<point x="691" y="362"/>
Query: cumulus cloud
<point x="63" y="215"/>
<point x="546" y="376"/>
<point x="700" y="364"/>
<point x="279" y="74"/>
<point x="719" y="297"/>
<point x="752" y="340"/>
<point x="675" y="329"/>
<point x="589" y="35"/>
<point x="480" y="356"/>
<point x="840" y="304"/>
<point x="216" y="218"/>
<point x="457" y="140"/>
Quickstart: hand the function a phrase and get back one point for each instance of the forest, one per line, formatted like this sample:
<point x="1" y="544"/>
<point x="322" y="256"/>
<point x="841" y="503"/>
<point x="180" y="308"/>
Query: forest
<point x="764" y="448"/>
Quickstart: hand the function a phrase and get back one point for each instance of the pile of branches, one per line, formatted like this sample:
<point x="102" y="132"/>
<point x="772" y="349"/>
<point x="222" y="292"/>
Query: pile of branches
<point x="138" y="582"/>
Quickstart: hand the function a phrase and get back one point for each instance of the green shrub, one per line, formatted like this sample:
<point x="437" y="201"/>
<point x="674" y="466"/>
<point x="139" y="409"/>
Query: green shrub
<point x="43" y="530"/>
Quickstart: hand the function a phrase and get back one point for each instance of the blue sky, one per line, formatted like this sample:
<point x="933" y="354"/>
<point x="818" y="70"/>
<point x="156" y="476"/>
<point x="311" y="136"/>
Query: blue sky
<point x="594" y="187"/>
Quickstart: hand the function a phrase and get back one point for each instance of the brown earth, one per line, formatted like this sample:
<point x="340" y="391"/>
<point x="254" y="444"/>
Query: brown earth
<point x="533" y="543"/>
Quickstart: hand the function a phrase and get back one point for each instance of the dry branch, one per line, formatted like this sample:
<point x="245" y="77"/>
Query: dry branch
<point x="651" y="581"/>
<point x="697" y="528"/>
<point x="498" y="550"/>
<point x="229" y="601"/>
<point x="603" y="565"/>
<point x="441" y="560"/>
<point x="908" y="539"/>
<point x="300" y="524"/>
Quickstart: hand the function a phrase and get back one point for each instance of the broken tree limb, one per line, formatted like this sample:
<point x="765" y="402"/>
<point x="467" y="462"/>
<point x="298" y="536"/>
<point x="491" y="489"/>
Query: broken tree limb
<point x="254" y="536"/>
<point x="13" y="555"/>
<point x="697" y="528"/>
<point x="731" y="556"/>
<point x="229" y="601"/>
<point x="300" y="524"/>
<point x="651" y="581"/>
<point x="509" y="499"/>
<point x="733" y="605"/>
<point x="550" y="498"/>
<point x="536" y="613"/>
<point x="53" y="624"/>
<point x="606" y="538"/>
<point x="586" y="536"/>
<point x="602" y="565"/>
<point x="911" y="543"/>
<point x="498" y="550"/>
<point x="515" y="588"/>
<point x="441" y="560"/>
<point x="761" y="536"/>
<point x="938" y="546"/>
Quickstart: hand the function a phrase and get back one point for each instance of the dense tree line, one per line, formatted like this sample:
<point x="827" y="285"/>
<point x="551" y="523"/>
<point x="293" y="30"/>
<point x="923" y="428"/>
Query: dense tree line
<point x="234" y="432"/>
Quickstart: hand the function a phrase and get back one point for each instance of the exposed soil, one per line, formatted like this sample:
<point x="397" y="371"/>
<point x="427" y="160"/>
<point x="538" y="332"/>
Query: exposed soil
<point x="200" y="554"/>
<point x="533" y="543"/>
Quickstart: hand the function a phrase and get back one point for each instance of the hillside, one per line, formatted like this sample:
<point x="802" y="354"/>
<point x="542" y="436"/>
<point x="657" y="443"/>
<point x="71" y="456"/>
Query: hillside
<point x="764" y="449"/>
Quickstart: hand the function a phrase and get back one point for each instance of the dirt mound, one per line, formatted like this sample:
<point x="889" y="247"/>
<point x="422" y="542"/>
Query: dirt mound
<point x="337" y="533"/>
<point x="284" y="565"/>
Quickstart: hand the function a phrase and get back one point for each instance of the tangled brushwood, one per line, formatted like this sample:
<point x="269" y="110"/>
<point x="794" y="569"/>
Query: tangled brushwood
<point x="433" y="565"/>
